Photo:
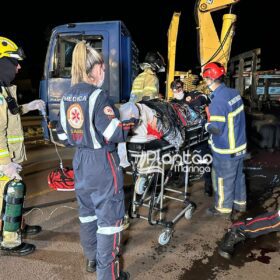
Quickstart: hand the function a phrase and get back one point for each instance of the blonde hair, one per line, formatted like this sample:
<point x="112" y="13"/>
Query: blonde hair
<point x="83" y="60"/>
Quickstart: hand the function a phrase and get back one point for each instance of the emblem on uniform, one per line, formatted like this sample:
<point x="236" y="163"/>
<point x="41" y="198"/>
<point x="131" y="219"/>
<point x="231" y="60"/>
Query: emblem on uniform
<point x="109" y="111"/>
<point x="75" y="116"/>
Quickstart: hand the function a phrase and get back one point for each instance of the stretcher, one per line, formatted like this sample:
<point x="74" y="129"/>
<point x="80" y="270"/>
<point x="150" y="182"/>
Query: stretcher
<point x="152" y="205"/>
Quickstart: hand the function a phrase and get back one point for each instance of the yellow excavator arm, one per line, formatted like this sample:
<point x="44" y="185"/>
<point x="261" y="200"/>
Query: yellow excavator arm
<point x="211" y="46"/>
<point x="172" y="41"/>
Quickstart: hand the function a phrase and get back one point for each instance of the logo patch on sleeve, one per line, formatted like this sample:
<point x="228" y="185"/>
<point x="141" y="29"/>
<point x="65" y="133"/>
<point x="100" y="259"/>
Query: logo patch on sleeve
<point x="109" y="111"/>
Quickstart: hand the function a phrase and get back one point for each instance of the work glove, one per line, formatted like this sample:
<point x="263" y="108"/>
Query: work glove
<point x="11" y="170"/>
<point x="203" y="122"/>
<point x="37" y="104"/>
<point x="212" y="129"/>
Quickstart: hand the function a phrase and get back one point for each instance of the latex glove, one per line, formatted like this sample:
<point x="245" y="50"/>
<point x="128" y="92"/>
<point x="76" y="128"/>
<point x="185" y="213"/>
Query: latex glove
<point x="128" y="110"/>
<point x="37" y="104"/>
<point x="11" y="170"/>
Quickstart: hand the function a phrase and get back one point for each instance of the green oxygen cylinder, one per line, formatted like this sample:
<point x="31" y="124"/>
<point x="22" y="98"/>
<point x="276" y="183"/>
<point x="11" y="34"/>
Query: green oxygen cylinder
<point x="13" y="199"/>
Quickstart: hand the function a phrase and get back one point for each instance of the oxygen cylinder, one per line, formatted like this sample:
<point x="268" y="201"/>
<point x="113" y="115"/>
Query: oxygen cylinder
<point x="13" y="203"/>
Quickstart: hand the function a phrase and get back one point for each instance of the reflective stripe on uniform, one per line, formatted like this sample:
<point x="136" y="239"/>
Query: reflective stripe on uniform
<point x="227" y="151"/>
<point x="4" y="153"/>
<point x="87" y="219"/>
<point x="111" y="128"/>
<point x="109" y="230"/>
<point x="231" y="136"/>
<point x="239" y="202"/>
<point x="220" y="192"/>
<point x="92" y="101"/>
<point x="62" y="136"/>
<point x="151" y="88"/>
<point x="137" y="91"/>
<point x="221" y="197"/>
<point x="224" y="210"/>
<point x="15" y="139"/>
<point x="63" y="116"/>
<point x="217" y="118"/>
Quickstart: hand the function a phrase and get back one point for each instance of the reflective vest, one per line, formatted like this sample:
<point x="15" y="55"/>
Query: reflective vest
<point x="11" y="133"/>
<point x="227" y="114"/>
<point x="145" y="84"/>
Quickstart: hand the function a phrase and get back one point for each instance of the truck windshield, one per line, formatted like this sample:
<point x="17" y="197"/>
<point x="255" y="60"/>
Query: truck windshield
<point x="62" y="57"/>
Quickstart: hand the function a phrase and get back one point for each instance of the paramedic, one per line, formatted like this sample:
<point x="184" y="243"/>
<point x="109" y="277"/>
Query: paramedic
<point x="89" y="121"/>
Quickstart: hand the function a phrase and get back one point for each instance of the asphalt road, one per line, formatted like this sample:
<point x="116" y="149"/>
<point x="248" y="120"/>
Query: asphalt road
<point x="191" y="253"/>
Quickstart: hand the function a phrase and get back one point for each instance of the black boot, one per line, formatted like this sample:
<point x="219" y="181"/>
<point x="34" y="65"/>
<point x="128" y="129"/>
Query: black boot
<point x="22" y="250"/>
<point x="208" y="190"/>
<point x="91" y="266"/>
<point x="30" y="230"/>
<point x="231" y="238"/>
<point x="124" y="275"/>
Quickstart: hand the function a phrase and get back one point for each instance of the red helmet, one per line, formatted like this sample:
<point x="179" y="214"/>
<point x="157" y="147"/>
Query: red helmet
<point x="213" y="70"/>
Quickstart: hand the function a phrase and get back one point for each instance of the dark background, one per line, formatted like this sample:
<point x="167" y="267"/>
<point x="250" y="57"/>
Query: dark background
<point x="147" y="21"/>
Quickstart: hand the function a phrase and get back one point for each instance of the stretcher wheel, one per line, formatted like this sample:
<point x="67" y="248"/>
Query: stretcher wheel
<point x="165" y="237"/>
<point x="189" y="212"/>
<point x="140" y="185"/>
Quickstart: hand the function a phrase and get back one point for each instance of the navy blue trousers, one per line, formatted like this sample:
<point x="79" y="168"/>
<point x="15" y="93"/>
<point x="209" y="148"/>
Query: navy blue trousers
<point x="229" y="184"/>
<point x="100" y="195"/>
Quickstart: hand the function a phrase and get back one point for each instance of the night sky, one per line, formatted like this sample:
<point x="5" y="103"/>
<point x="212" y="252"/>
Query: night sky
<point x="148" y="22"/>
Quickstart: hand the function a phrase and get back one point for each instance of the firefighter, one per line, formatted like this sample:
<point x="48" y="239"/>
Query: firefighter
<point x="146" y="84"/>
<point x="12" y="154"/>
<point x="89" y="121"/>
<point x="227" y="141"/>
<point x="250" y="228"/>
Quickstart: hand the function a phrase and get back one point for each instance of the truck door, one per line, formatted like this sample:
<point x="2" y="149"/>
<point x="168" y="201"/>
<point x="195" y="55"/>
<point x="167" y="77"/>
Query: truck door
<point x="58" y="73"/>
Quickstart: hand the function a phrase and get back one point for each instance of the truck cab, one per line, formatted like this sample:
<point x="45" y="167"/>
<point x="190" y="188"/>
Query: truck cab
<point x="120" y="54"/>
<point x="268" y="88"/>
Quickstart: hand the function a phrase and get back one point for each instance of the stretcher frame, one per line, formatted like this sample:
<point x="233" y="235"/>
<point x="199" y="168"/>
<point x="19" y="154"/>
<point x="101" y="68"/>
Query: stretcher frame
<point x="156" y="194"/>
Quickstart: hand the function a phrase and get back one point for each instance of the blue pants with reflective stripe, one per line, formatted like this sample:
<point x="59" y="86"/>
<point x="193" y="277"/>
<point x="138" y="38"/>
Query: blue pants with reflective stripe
<point x="229" y="185"/>
<point x="99" y="191"/>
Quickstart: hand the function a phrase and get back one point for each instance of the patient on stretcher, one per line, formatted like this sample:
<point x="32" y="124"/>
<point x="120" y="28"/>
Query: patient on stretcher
<point x="158" y="120"/>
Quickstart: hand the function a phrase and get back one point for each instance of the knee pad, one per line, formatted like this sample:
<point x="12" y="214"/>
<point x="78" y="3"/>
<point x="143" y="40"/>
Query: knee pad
<point x="11" y="213"/>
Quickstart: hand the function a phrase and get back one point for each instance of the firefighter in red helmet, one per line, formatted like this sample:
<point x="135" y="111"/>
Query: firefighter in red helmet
<point x="228" y="143"/>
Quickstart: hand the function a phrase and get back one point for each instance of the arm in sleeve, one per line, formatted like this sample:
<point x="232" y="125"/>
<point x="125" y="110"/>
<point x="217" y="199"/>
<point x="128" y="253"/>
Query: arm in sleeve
<point x="106" y="123"/>
<point x="60" y="126"/>
<point x="4" y="149"/>
<point x="217" y="118"/>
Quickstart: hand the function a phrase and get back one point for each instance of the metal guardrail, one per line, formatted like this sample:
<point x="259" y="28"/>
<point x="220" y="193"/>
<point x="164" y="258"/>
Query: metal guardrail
<point x="32" y="129"/>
